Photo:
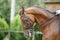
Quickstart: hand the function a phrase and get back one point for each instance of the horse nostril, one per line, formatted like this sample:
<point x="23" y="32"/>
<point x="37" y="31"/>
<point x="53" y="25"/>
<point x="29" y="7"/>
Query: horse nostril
<point x="26" y="35"/>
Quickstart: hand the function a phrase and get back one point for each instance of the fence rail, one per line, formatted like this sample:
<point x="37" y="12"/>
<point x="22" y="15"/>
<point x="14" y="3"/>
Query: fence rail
<point x="37" y="32"/>
<point x="33" y="37"/>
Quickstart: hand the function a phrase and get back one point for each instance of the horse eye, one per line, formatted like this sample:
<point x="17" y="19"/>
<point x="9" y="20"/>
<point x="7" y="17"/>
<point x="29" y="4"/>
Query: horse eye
<point x="26" y="20"/>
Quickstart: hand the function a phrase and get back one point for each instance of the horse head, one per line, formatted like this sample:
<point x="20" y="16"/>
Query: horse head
<point x="27" y="22"/>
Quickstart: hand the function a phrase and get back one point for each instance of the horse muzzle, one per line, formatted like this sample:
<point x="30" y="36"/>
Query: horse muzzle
<point x="28" y="34"/>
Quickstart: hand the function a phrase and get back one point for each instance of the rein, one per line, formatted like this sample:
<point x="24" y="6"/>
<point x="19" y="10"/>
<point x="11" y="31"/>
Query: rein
<point x="47" y="20"/>
<point x="56" y="14"/>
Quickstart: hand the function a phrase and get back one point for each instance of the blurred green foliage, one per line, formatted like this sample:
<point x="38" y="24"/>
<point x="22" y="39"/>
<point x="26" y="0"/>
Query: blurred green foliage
<point x="5" y="10"/>
<point x="17" y="36"/>
<point x="3" y="24"/>
<point x="38" y="37"/>
<point x="2" y="35"/>
<point x="16" y="24"/>
<point x="28" y="3"/>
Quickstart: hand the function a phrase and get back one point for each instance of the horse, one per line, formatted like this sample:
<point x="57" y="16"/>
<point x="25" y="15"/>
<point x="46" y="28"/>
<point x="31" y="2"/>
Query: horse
<point x="47" y="21"/>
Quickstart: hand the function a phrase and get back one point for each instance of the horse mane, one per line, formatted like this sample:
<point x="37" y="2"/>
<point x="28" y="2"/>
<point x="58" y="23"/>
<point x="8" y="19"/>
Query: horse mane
<point x="39" y="11"/>
<point x="41" y="8"/>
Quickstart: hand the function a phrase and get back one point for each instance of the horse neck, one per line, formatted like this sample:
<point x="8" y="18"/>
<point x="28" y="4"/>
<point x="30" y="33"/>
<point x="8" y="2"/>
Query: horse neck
<point x="50" y="26"/>
<point x="42" y="15"/>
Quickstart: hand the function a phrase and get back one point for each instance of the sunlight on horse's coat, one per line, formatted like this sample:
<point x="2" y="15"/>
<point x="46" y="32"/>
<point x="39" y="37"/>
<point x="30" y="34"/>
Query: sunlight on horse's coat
<point x="50" y="30"/>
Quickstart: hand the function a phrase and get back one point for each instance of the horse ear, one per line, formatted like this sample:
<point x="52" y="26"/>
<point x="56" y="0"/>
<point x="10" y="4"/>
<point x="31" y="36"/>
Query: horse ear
<point x="21" y="11"/>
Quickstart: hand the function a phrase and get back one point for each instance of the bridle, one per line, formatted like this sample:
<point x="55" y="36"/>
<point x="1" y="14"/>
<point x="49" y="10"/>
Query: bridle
<point x="29" y="27"/>
<point x="27" y="19"/>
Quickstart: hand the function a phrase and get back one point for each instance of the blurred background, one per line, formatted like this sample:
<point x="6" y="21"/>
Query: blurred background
<point x="10" y="23"/>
